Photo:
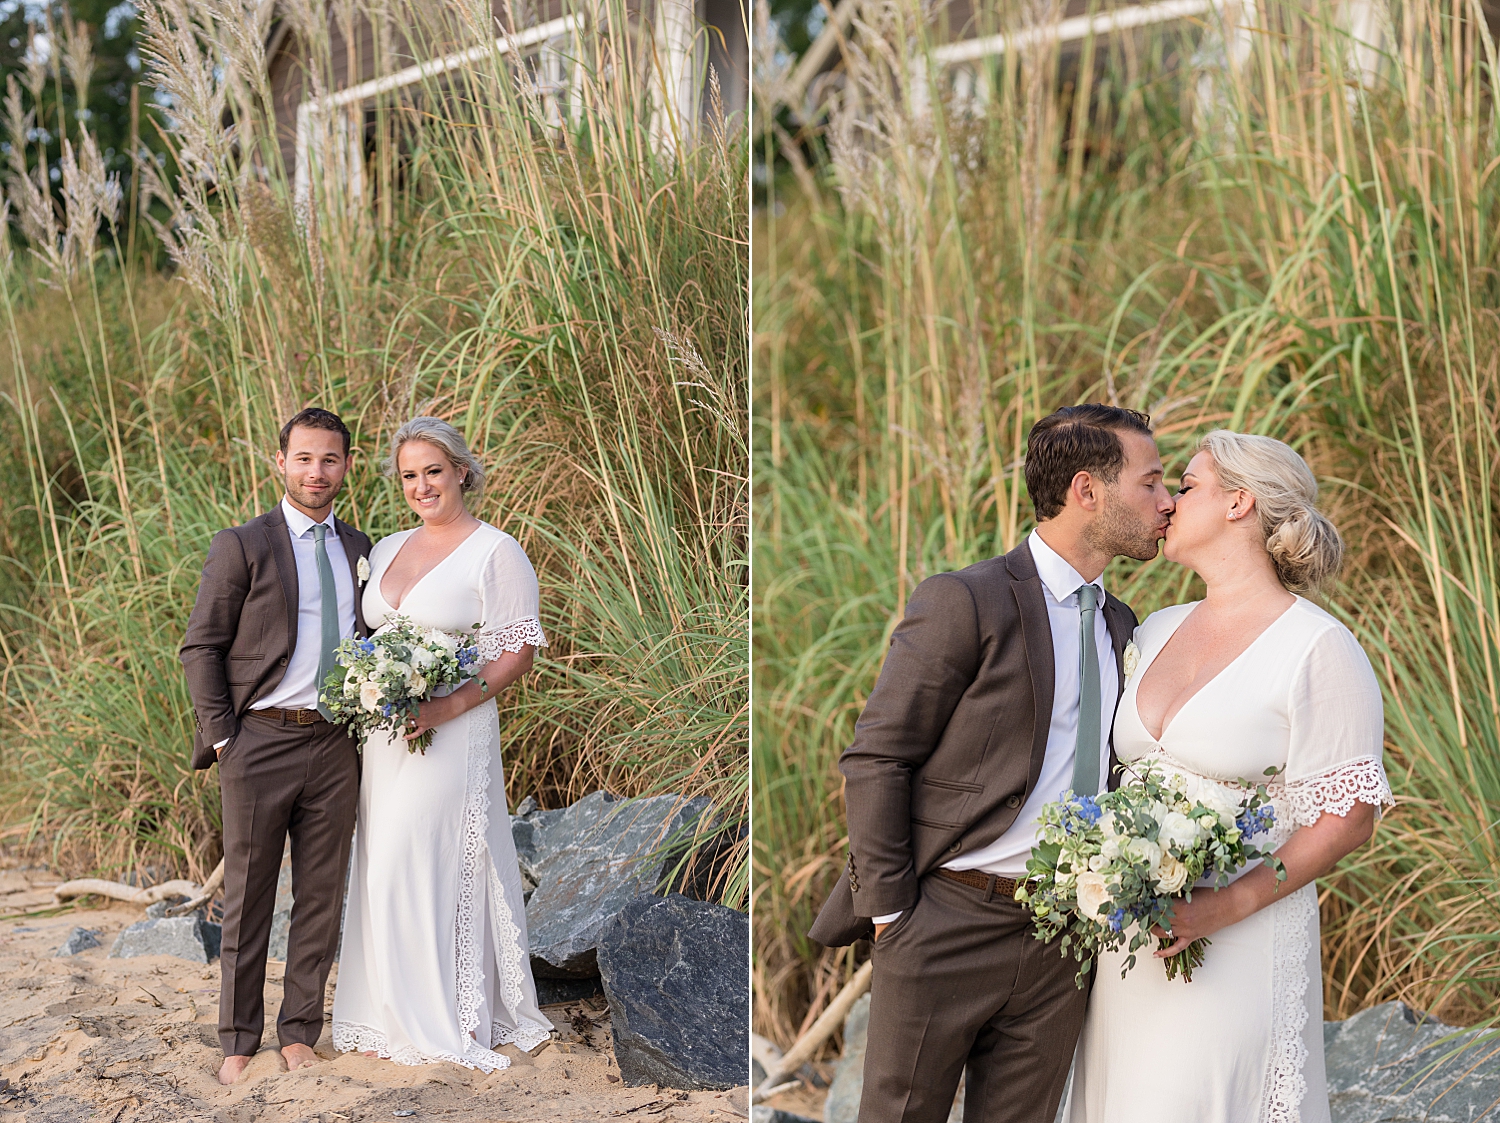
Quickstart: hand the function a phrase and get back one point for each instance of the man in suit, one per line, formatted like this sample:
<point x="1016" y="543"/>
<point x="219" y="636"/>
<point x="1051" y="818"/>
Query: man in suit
<point x="278" y="594"/>
<point x="998" y="692"/>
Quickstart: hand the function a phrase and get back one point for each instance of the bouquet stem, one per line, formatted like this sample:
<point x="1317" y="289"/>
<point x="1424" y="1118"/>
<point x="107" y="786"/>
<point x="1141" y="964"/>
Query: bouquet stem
<point x="419" y="744"/>
<point x="1184" y="961"/>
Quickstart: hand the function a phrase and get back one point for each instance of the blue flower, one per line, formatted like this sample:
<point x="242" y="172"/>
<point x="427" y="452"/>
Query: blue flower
<point x="1087" y="808"/>
<point x="1116" y="919"/>
<point x="1252" y="823"/>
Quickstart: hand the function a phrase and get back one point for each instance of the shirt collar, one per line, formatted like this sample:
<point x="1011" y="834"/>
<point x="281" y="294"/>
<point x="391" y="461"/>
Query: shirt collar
<point x="299" y="524"/>
<point x="1057" y="574"/>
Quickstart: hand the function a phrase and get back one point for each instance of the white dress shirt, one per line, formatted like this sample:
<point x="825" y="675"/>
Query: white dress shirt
<point x="298" y="688"/>
<point x="1007" y="855"/>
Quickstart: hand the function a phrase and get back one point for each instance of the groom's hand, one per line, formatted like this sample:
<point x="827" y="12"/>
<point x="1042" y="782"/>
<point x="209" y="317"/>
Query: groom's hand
<point x="879" y="928"/>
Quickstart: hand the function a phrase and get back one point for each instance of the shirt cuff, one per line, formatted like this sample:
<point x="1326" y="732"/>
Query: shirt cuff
<point x="886" y="919"/>
<point x="220" y="744"/>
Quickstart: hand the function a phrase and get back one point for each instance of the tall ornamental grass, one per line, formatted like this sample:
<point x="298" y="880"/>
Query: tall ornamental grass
<point x="1264" y="228"/>
<point x="564" y="286"/>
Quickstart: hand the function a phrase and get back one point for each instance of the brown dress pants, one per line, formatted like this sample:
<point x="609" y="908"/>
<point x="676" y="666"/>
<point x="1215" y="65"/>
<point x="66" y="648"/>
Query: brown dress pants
<point x="275" y="778"/>
<point x="961" y="984"/>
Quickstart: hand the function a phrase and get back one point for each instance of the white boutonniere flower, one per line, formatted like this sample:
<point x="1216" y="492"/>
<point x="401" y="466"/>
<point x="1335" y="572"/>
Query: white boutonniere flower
<point x="1131" y="659"/>
<point x="362" y="568"/>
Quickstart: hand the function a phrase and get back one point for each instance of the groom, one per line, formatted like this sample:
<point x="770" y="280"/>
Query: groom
<point x="998" y="693"/>
<point x="277" y="595"/>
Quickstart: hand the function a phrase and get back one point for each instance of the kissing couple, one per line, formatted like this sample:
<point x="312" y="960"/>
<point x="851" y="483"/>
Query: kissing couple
<point x="434" y="963"/>
<point x="1021" y="677"/>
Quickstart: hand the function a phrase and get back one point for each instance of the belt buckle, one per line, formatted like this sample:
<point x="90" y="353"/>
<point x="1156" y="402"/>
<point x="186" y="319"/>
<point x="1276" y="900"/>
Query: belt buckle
<point x="310" y="719"/>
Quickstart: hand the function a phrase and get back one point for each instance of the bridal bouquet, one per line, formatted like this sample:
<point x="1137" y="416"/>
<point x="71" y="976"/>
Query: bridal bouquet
<point x="380" y="682"/>
<point x="1106" y="870"/>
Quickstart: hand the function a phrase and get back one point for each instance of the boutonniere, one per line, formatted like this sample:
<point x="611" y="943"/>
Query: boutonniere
<point x="1131" y="659"/>
<point x="362" y="569"/>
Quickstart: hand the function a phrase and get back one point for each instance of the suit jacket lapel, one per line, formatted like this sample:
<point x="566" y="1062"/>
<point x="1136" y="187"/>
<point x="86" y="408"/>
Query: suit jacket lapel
<point x="286" y="567"/>
<point x="1036" y="635"/>
<point x="354" y="550"/>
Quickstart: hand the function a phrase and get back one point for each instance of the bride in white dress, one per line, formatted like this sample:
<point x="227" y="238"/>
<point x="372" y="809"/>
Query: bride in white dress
<point x="1252" y="677"/>
<point x="434" y="963"/>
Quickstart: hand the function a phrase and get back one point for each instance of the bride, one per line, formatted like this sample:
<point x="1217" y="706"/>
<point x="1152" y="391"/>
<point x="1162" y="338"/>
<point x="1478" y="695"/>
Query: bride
<point x="1252" y="677"/>
<point x="434" y="963"/>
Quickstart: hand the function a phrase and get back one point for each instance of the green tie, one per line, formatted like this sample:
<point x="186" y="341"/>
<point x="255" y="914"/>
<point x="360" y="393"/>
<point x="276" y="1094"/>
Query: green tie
<point x="1086" y="750"/>
<point x="330" y="610"/>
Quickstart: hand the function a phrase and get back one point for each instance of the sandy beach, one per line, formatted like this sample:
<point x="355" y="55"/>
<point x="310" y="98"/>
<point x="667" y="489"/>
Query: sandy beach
<point x="87" y="1037"/>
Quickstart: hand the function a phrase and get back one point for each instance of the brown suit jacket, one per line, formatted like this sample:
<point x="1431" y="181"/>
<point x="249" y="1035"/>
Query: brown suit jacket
<point x="951" y="741"/>
<point x="244" y="623"/>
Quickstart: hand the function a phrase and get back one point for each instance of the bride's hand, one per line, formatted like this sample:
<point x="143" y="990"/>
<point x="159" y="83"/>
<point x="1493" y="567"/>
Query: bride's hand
<point x="430" y="715"/>
<point x="1205" y="914"/>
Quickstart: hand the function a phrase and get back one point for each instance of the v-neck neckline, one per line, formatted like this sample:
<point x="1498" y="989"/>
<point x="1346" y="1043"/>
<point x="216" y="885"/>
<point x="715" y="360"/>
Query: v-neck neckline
<point x="380" y="585"/>
<point x="1135" y="701"/>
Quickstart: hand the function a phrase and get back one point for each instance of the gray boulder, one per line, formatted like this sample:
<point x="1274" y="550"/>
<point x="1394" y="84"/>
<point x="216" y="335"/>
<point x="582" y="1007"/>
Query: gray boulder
<point x="675" y="974"/>
<point x="80" y="939"/>
<point x="1389" y="1065"/>
<point x="189" y="937"/>
<point x="588" y="861"/>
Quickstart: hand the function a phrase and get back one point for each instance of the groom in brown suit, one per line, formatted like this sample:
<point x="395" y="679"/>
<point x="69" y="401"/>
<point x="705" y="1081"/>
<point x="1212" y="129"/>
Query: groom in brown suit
<point x="997" y="693"/>
<point x="278" y="594"/>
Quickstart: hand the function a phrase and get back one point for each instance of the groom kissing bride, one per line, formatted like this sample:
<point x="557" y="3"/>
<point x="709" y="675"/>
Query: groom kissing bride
<point x="1009" y="682"/>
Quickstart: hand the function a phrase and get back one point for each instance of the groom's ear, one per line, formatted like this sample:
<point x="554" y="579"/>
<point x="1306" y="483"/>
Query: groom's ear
<point x="1083" y="489"/>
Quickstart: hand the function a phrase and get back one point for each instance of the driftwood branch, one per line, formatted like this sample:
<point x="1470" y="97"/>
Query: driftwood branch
<point x="119" y="891"/>
<point x="821" y="1030"/>
<point x="209" y="891"/>
<point x="198" y="895"/>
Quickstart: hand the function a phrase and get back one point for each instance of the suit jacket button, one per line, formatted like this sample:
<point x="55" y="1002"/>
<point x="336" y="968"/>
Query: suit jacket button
<point x="283" y="660"/>
<point x="955" y="848"/>
<point x="1013" y="801"/>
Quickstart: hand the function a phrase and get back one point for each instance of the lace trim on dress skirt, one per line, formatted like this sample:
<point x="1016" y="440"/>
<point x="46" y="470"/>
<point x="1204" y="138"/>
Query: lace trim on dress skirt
<point x="1291" y="943"/>
<point x="492" y="642"/>
<point x="1338" y="789"/>
<point x="508" y="958"/>
<point x="351" y="1036"/>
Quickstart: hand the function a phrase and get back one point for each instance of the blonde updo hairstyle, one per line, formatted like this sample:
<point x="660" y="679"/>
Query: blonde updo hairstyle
<point x="441" y="435"/>
<point x="1304" y="546"/>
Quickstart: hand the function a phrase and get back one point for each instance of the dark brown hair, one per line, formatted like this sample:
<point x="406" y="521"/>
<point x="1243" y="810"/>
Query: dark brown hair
<point x="1076" y="439"/>
<point x="314" y="418"/>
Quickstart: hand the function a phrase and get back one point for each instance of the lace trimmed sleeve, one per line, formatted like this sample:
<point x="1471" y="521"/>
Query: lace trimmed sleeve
<point x="1337" y="731"/>
<point x="511" y="599"/>
<point x="1337" y="790"/>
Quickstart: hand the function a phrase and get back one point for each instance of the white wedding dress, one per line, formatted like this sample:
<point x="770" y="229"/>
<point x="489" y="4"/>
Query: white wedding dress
<point x="1243" y="1042"/>
<point x="434" y="964"/>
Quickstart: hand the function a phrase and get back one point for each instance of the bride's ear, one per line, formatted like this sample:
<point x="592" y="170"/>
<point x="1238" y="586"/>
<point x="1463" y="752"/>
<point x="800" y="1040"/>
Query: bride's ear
<point x="1243" y="505"/>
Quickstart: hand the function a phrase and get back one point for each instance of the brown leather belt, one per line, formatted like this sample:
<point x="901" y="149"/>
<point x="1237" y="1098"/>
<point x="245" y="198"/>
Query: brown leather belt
<point x="292" y="717"/>
<point x="993" y="884"/>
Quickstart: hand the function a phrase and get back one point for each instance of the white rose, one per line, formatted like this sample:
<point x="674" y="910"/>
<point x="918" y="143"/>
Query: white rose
<point x="400" y="670"/>
<point x="1143" y="850"/>
<point x="1107" y="824"/>
<point x="1131" y="658"/>
<point x="1172" y="875"/>
<point x="1208" y="821"/>
<point x="370" y="696"/>
<point x="422" y="658"/>
<point x="416" y="685"/>
<point x="1098" y="862"/>
<point x="1109" y="849"/>
<point x="442" y="639"/>
<point x="1093" y="895"/>
<point x="1178" y="830"/>
<point x="362" y="570"/>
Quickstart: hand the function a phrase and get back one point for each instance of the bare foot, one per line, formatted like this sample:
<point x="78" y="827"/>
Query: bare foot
<point x="230" y="1070"/>
<point x="298" y="1056"/>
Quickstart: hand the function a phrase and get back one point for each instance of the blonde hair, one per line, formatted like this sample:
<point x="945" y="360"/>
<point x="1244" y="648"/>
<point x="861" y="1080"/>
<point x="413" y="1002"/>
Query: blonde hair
<point x="450" y="441"/>
<point x="1304" y="546"/>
